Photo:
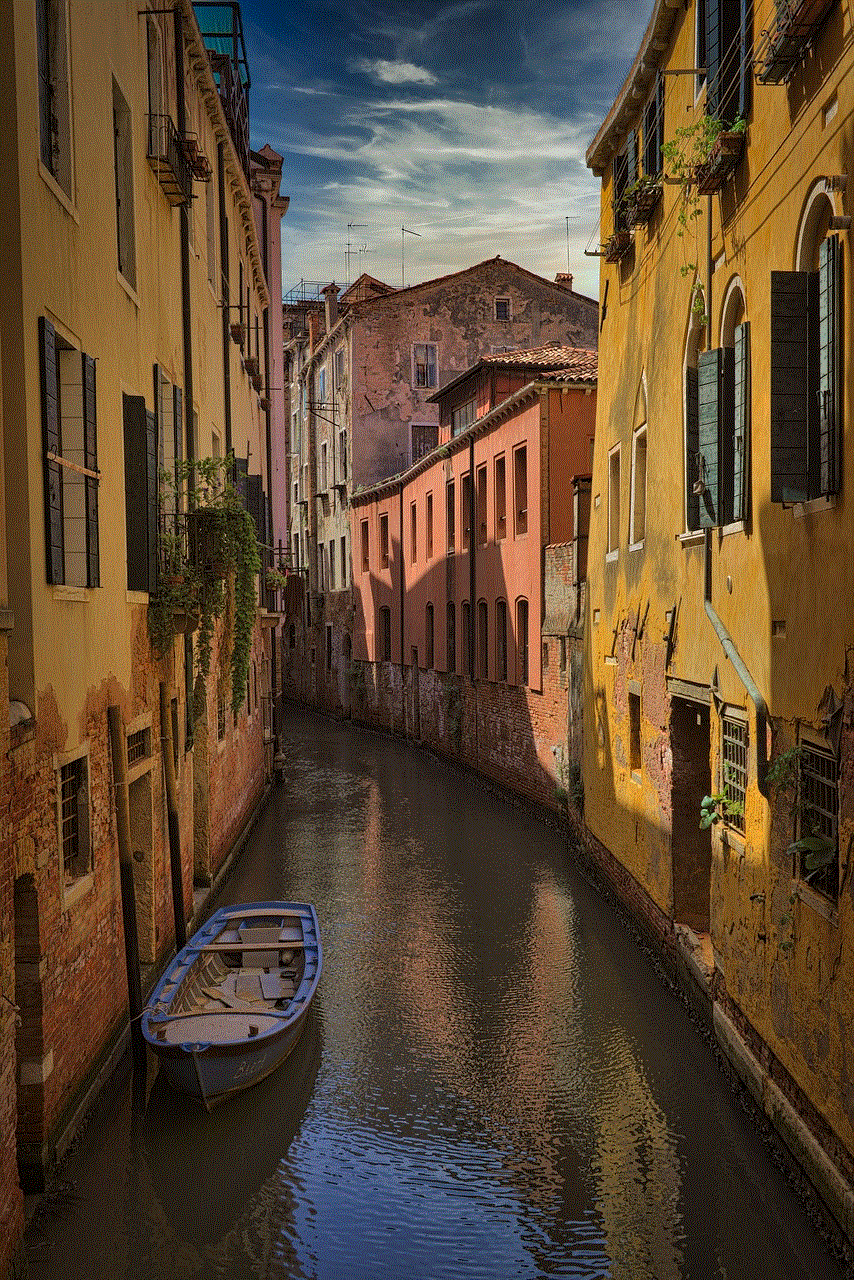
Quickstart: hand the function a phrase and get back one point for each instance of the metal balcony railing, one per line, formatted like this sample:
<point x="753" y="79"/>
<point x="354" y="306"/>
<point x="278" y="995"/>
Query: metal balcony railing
<point x="168" y="159"/>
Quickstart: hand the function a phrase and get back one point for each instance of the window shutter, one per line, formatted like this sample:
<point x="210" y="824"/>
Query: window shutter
<point x="90" y="453"/>
<point x="713" y="57"/>
<point x="829" y="398"/>
<point x="741" y="425"/>
<point x="136" y="493"/>
<point x="692" y="447"/>
<point x="51" y="443"/>
<point x="241" y="479"/>
<point x="745" y="79"/>
<point x="709" y="368"/>
<point x="178" y="421"/>
<point x="790" y="344"/>
<point x="620" y="181"/>
<point x="632" y="157"/>
<point x="255" y="503"/>
<point x="152" y="494"/>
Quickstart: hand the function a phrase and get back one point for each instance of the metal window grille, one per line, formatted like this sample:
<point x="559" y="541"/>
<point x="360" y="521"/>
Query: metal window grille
<point x="138" y="746"/>
<point x="735" y="771"/>
<point x="818" y="807"/>
<point x="73" y="819"/>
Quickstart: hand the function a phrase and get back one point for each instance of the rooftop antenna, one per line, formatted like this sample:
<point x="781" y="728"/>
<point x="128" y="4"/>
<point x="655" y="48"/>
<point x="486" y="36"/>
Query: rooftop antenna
<point x="349" y="253"/>
<point x="404" y="232"/>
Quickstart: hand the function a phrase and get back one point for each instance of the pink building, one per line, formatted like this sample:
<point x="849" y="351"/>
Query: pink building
<point x="450" y="566"/>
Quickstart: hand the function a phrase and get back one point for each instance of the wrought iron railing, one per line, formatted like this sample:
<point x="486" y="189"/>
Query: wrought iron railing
<point x="168" y="159"/>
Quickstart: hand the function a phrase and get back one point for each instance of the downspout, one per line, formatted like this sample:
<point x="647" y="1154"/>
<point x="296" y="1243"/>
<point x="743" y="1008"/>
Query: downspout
<point x="740" y="670"/>
<point x="226" y="297"/>
<point x="723" y="635"/>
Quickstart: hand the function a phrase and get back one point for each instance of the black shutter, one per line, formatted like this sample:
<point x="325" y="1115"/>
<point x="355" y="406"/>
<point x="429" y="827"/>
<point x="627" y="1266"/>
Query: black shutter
<point x="152" y="495"/>
<point x="136" y="491"/>
<point x="255" y="504"/>
<point x="619" y="184"/>
<point x="692" y="448"/>
<point x="741" y="425"/>
<point x="178" y="401"/>
<point x="726" y="436"/>
<point x="709" y="369"/>
<point x="790" y="378"/>
<point x="713" y="57"/>
<point x="632" y="157"/>
<point x="241" y="479"/>
<point x="90" y="453"/>
<point x="829" y="363"/>
<point x="51" y="443"/>
<point x="745" y="78"/>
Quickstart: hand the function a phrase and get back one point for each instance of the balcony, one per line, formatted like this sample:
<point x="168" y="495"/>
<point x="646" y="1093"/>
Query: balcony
<point x="785" y="44"/>
<point x="617" y="246"/>
<point x="168" y="159"/>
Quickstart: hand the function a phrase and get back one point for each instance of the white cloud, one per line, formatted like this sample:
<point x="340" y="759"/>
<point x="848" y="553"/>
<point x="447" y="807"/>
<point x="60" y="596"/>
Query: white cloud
<point x="387" y="72"/>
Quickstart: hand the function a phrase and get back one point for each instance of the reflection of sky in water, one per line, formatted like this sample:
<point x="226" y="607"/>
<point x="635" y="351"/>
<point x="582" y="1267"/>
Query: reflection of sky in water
<point x="493" y="1083"/>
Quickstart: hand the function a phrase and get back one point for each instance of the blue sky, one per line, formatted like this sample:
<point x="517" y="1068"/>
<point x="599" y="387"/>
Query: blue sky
<point x="466" y="122"/>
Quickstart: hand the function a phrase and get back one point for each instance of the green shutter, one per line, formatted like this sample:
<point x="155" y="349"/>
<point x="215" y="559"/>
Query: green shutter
<point x="136" y="492"/>
<point x="790" y="384"/>
<point x="745" y="77"/>
<point x="178" y="401"/>
<point x="51" y="443"/>
<point x="713" y="57"/>
<point x="829" y="362"/>
<point x="741" y="424"/>
<point x="152" y="493"/>
<point x="709" y="368"/>
<point x="90" y="452"/>
<point x="692" y="445"/>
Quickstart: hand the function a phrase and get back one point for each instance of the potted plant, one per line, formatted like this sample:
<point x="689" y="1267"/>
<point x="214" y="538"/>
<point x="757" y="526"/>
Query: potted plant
<point x="276" y="579"/>
<point x="787" y="40"/>
<point x="250" y="364"/>
<point x="699" y="157"/>
<point x="641" y="198"/>
<point x="214" y="567"/>
<point x="257" y="381"/>
<point x="238" y="332"/>
<point x="617" y="245"/>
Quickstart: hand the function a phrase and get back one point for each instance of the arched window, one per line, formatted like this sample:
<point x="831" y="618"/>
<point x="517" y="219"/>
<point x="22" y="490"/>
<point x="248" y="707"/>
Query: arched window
<point x="465" y="610"/>
<point x="696" y="332"/>
<point x="451" y="639"/>
<point x="428" y="634"/>
<point x="723" y="418"/>
<point x="522" y="641"/>
<point x="501" y="639"/>
<point x="806" y="361"/>
<point x="482" y="640"/>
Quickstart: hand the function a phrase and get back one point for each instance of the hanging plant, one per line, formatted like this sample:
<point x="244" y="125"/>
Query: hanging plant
<point x="693" y="156"/>
<point x="211" y="564"/>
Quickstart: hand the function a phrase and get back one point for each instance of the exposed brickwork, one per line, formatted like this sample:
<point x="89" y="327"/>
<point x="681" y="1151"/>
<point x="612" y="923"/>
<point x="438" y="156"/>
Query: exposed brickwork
<point x="11" y="1200"/>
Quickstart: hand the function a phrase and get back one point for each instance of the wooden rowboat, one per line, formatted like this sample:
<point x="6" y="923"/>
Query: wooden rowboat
<point x="232" y="1004"/>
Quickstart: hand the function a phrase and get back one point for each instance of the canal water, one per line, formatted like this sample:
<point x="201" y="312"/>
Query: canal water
<point x="494" y="1081"/>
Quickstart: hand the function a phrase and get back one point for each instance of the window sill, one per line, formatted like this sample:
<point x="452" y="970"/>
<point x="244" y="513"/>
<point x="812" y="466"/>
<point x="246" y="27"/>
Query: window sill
<point x="62" y="196"/>
<point x="737" y="526"/>
<point x="137" y="597"/>
<point x="693" y="538"/>
<point x="636" y="546"/>
<point x="76" y="890"/>
<point x="733" y="839"/>
<point x="636" y="777"/>
<point x="801" y="509"/>
<point x="63" y="592"/>
<point x="128" y="288"/>
<point x="611" y="556"/>
<point x="817" y="902"/>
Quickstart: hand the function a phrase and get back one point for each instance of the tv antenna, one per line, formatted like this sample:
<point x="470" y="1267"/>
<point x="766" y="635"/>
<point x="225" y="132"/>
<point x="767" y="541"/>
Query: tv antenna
<point x="351" y="226"/>
<point x="404" y="232"/>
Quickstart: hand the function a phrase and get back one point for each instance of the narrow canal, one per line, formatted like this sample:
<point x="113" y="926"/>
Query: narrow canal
<point x="494" y="1081"/>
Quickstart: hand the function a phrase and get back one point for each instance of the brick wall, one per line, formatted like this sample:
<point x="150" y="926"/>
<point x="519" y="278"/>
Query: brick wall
<point x="11" y="1200"/>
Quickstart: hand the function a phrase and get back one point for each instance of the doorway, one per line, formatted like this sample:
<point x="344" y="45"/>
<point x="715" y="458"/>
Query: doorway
<point x="691" y="848"/>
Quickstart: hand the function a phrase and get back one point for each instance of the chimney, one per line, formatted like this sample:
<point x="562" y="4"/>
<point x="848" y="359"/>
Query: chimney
<point x="330" y="295"/>
<point x="564" y="279"/>
<point x="313" y="330"/>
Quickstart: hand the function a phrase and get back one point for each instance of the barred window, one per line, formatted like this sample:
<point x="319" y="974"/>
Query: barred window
<point x="818" y="815"/>
<point x="138" y="746"/>
<point x="74" y="819"/>
<point x="734" y="771"/>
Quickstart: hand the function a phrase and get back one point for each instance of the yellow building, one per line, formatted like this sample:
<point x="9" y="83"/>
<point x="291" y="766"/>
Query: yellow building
<point x="132" y="322"/>
<point x="719" y="628"/>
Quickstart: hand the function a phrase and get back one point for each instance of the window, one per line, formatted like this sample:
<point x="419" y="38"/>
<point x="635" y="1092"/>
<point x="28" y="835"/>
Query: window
<point x="54" y="95"/>
<point x="321" y="567"/>
<point x="385" y="634"/>
<point x="465" y="623"/>
<point x="723" y="428"/>
<point x="324" y="467"/>
<point x="320" y="387"/>
<point x="429" y="526"/>
<point x="465" y="513"/>
<point x="451" y="638"/>
<point x="342" y="455"/>
<point x="818" y="817"/>
<point x="625" y="174"/>
<point x="653" y="130"/>
<point x="522" y="640"/>
<point x="366" y="561"/>
<point x="424" y="437"/>
<point x="296" y="493"/>
<point x="481" y="505"/>
<point x="339" y="368"/>
<point x="502" y="309"/>
<point x="635" y="756"/>
<point x="168" y="425"/>
<point x="74" y="835"/>
<point x="734" y="760"/>
<point x="123" y="164"/>
<point x="462" y="417"/>
<point x="700" y="44"/>
<point x="332" y="565"/>
<point x="413" y="533"/>
<point x="71" y="476"/>
<point x="806" y="366"/>
<point x="482" y="640"/>
<point x="724" y="36"/>
<point x="428" y="634"/>
<point x="384" y="540"/>
<point x="328" y="648"/>
<point x="297" y="559"/>
<point x="450" y="512"/>
<point x="500" y="499"/>
<point x="614" y="501"/>
<point x="638" y="507"/>
<point x="520" y="489"/>
<point x="424" y="365"/>
<point x="501" y="640"/>
<point x="210" y="232"/>
<point x="343" y="548"/>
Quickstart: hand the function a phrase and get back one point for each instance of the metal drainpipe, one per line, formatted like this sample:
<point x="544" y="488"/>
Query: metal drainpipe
<point x="226" y="296"/>
<point x="723" y="635"/>
<point x="740" y="670"/>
